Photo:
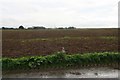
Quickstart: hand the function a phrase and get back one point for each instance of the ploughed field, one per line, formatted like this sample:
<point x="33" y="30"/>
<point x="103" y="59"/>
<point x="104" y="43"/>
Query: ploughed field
<point x="18" y="43"/>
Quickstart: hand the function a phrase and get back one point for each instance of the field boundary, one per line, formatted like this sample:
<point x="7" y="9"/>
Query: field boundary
<point x="61" y="60"/>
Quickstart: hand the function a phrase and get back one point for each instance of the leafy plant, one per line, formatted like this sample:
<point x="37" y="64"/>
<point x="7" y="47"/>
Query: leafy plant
<point x="59" y="60"/>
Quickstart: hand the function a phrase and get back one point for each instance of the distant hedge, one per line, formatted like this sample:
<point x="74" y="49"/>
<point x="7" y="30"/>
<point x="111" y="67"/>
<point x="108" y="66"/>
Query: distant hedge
<point x="60" y="60"/>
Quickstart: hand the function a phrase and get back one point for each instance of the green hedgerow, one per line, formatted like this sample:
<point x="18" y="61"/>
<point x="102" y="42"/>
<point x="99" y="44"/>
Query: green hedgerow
<point x="59" y="60"/>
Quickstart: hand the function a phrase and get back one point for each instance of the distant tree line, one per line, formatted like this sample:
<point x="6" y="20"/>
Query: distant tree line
<point x="37" y="27"/>
<point x="6" y="28"/>
<point x="66" y="28"/>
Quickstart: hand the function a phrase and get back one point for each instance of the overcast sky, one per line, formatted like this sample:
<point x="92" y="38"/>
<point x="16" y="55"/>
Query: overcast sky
<point x="59" y="13"/>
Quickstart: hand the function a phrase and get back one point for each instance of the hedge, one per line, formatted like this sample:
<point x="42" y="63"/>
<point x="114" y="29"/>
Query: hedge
<point x="59" y="60"/>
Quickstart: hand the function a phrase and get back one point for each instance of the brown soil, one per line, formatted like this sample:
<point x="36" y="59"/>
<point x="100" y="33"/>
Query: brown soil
<point x="16" y="43"/>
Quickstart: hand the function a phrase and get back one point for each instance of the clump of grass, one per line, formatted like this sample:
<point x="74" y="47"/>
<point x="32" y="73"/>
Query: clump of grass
<point x="59" y="60"/>
<point x="66" y="37"/>
<point x="108" y="37"/>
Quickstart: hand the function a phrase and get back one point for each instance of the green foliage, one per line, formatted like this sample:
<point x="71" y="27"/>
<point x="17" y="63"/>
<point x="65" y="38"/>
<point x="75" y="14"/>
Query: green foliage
<point x="59" y="60"/>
